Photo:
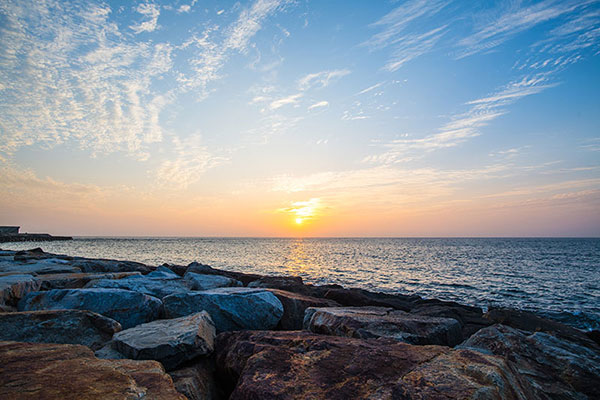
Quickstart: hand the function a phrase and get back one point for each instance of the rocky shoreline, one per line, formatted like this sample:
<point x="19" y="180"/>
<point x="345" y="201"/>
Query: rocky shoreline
<point x="80" y="328"/>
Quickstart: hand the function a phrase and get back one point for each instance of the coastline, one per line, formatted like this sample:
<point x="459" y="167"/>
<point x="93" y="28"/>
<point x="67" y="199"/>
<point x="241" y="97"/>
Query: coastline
<point x="238" y="318"/>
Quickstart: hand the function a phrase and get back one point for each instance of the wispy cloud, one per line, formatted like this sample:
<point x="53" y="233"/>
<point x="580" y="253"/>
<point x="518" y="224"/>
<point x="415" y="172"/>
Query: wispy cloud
<point x="321" y="79"/>
<point x="150" y="12"/>
<point x="319" y="104"/>
<point x="292" y="99"/>
<point x="370" y="88"/>
<point x="411" y="46"/>
<point x="192" y="159"/>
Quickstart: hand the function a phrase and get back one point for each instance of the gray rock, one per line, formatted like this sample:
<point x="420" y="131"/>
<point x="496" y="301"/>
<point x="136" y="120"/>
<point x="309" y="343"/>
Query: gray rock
<point x="206" y="282"/>
<point x="102" y="265"/>
<point x="14" y="287"/>
<point x="170" y="341"/>
<point x="127" y="307"/>
<point x="39" y="267"/>
<point x="159" y="283"/>
<point x="78" y="280"/>
<point x="234" y="308"/>
<point x="58" y="326"/>
<point x="374" y="322"/>
<point x="109" y="352"/>
<point x="555" y="367"/>
<point x="294" y="307"/>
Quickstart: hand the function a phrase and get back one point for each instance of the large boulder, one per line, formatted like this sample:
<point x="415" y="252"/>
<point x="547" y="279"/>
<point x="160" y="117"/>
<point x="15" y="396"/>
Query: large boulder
<point x="170" y="341"/>
<point x="302" y="365"/>
<point x="159" y="283"/>
<point x="294" y="307"/>
<point x="354" y="297"/>
<point x="103" y="265"/>
<point x="374" y="322"/>
<point x="39" y="267"/>
<point x="78" y="280"/>
<point x="556" y="368"/>
<point x="71" y="372"/>
<point x="127" y="307"/>
<point x="58" y="326"/>
<point x="234" y="308"/>
<point x="14" y="287"/>
<point x="197" y="382"/>
<point x="206" y="282"/>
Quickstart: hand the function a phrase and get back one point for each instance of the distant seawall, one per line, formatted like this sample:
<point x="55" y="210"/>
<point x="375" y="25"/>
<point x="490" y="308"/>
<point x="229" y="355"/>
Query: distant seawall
<point x="32" y="237"/>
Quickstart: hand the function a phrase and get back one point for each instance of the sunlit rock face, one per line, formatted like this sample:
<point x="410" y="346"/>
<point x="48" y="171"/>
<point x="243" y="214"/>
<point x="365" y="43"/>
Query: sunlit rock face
<point x="231" y="308"/>
<point x="374" y="322"/>
<point x="170" y="341"/>
<point x="58" y="326"/>
<point x="299" y="365"/>
<point x="127" y="307"/>
<point x="63" y="371"/>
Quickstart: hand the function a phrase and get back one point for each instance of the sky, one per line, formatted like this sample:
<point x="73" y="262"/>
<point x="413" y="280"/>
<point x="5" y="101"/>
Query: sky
<point x="300" y="118"/>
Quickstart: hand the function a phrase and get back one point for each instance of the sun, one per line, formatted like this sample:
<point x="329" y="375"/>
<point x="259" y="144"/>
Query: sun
<point x="299" y="220"/>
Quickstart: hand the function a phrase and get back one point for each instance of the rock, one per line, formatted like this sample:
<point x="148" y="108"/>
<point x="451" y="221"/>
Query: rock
<point x="37" y="254"/>
<point x="199" y="268"/>
<point x="109" y="352"/>
<point x="78" y="280"/>
<point x="170" y="341"/>
<point x="470" y="318"/>
<point x="294" y="306"/>
<point x="555" y="368"/>
<point x="288" y="283"/>
<point x="127" y="307"/>
<point x="103" y="265"/>
<point x="159" y="283"/>
<point x="205" y="282"/>
<point x="41" y="267"/>
<point x="528" y="321"/>
<point x="14" y="287"/>
<point x="58" y="326"/>
<point x="196" y="382"/>
<point x="71" y="372"/>
<point x="374" y="322"/>
<point x="231" y="309"/>
<point x="178" y="269"/>
<point x="302" y="365"/>
<point x="363" y="298"/>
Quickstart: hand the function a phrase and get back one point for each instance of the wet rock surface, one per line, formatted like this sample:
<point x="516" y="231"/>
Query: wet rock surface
<point x="58" y="326"/>
<point x="230" y="308"/>
<point x="127" y="307"/>
<point x="171" y="341"/>
<point x="63" y="371"/>
<point x="375" y="322"/>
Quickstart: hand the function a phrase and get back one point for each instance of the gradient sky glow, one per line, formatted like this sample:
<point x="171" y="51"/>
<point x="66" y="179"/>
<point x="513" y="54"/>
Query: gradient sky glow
<point x="310" y="118"/>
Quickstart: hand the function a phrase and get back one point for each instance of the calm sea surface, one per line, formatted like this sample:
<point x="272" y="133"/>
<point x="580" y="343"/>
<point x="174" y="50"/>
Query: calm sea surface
<point x="559" y="278"/>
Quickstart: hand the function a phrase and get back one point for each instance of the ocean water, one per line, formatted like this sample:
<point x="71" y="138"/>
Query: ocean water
<point x="559" y="278"/>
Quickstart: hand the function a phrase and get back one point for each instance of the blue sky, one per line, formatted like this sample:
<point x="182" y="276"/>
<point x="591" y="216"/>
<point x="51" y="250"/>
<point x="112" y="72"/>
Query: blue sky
<point x="274" y="117"/>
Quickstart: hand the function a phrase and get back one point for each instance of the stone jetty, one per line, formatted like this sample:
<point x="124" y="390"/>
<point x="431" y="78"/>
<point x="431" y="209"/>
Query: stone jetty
<point x="79" y="328"/>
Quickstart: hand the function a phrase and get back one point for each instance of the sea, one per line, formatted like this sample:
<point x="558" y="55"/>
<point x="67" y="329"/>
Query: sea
<point x="555" y="277"/>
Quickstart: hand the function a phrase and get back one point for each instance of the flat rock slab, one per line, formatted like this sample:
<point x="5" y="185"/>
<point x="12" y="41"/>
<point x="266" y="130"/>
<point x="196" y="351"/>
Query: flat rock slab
<point x="235" y="308"/>
<point x="58" y="326"/>
<point x="374" y="322"/>
<point x="14" y="287"/>
<point x="127" y="307"/>
<point x="71" y="372"/>
<point x="170" y="341"/>
<point x="78" y="280"/>
<point x="206" y="282"/>
<point x="159" y="284"/>
<point x="555" y="367"/>
<point x="302" y="365"/>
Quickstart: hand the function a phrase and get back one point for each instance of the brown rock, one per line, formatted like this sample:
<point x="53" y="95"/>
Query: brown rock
<point x="301" y="365"/>
<point x="62" y="371"/>
<point x="196" y="382"/>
